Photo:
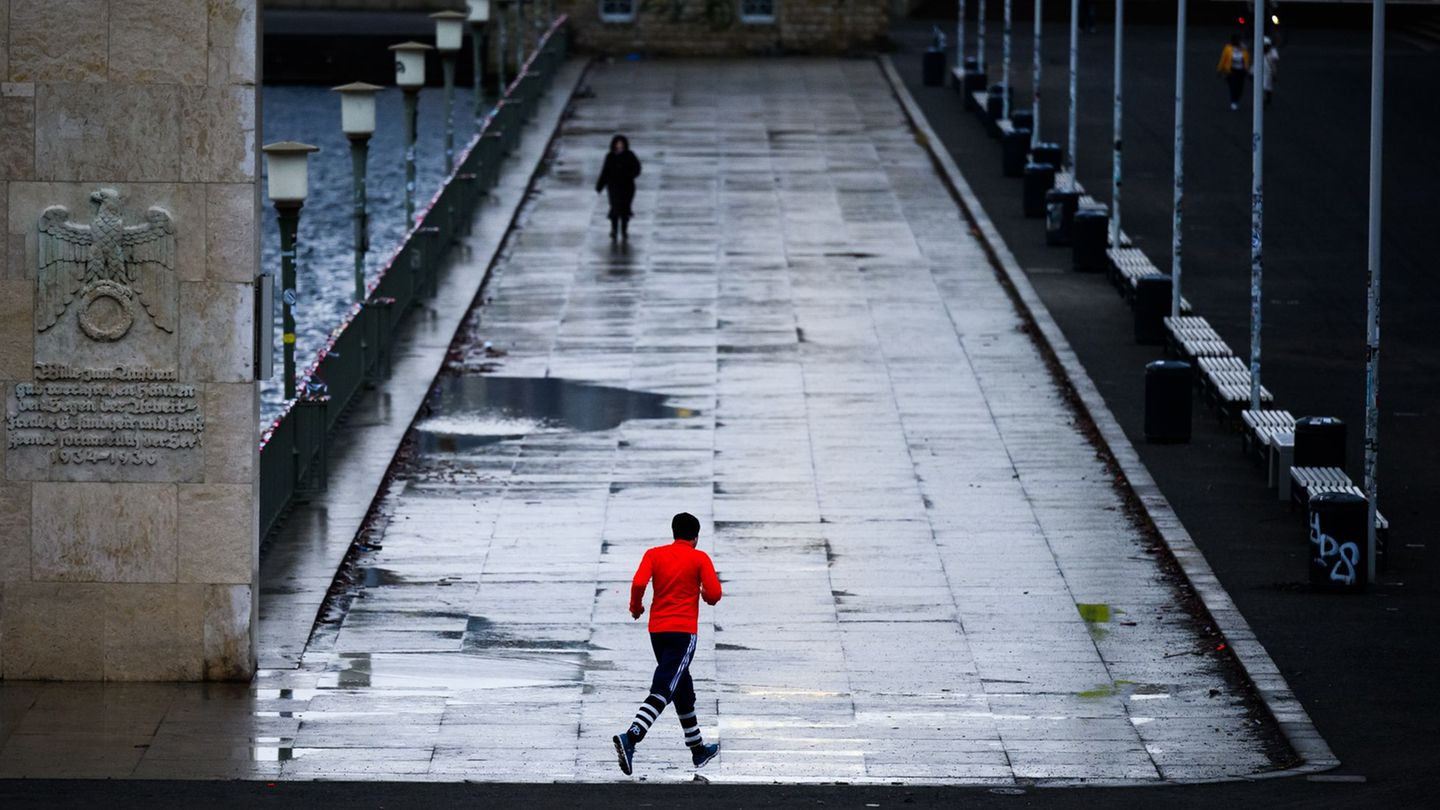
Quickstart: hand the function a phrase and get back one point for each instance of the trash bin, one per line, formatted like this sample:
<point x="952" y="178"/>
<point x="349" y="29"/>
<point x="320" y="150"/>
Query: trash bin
<point x="1151" y="307"/>
<point x="1060" y="207"/>
<point x="932" y="67"/>
<point x="995" y="103"/>
<point x="1319" y="442"/>
<point x="1339" y="542"/>
<point x="1048" y="153"/>
<point x="1013" y="149"/>
<point x="1167" y="402"/>
<point x="1089" y="239"/>
<point x="974" y="82"/>
<point x="1039" y="178"/>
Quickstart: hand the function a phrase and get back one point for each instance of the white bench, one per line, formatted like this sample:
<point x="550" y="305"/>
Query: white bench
<point x="1307" y="482"/>
<point x="1227" y="384"/>
<point x="1260" y="427"/>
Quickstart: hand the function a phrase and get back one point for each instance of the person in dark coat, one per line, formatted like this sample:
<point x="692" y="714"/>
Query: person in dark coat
<point x="618" y="177"/>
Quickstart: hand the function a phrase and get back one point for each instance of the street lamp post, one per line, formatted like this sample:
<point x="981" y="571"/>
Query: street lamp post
<point x="1372" y="274"/>
<point x="981" y="62"/>
<point x="1115" y="125"/>
<point x="477" y="14"/>
<point x="519" y="35"/>
<point x="1035" y="81"/>
<point x="960" y="42"/>
<point x="501" y="46"/>
<point x="1257" y="199"/>
<point x="1005" y="62"/>
<point x="1072" y="128"/>
<point x="410" y="75"/>
<point x="449" y="35"/>
<point x="288" y="182"/>
<point x="357" y="120"/>
<point x="1178" y="209"/>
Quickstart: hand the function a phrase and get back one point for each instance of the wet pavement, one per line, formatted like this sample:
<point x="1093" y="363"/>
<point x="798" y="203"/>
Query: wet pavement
<point x="930" y="577"/>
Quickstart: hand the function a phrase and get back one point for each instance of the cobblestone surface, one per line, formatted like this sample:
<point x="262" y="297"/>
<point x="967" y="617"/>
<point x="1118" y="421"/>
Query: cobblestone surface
<point x="929" y="575"/>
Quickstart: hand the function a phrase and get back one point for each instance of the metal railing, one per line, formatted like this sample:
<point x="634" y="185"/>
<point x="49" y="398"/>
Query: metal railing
<point x="294" y="449"/>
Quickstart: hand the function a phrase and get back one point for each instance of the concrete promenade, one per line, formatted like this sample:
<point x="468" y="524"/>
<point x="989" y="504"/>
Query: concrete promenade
<point x="930" y="575"/>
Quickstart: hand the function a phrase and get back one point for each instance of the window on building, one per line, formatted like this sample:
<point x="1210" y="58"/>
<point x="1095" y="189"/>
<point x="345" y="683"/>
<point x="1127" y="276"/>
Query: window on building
<point x="757" y="11"/>
<point x="618" y="11"/>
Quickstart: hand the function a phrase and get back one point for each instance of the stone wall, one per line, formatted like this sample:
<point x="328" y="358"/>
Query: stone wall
<point x="128" y="523"/>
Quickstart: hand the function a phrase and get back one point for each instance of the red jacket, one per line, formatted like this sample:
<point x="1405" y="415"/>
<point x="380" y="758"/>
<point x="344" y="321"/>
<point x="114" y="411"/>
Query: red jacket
<point x="683" y="575"/>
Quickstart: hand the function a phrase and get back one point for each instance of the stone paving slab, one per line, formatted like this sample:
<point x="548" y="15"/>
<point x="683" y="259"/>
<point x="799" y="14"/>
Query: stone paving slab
<point x="929" y="575"/>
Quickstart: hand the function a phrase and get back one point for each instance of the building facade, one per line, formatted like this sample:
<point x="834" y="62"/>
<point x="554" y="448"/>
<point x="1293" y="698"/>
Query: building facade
<point x="724" y="27"/>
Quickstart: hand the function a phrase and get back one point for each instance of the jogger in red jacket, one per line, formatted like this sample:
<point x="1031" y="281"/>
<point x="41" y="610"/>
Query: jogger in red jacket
<point x="682" y="576"/>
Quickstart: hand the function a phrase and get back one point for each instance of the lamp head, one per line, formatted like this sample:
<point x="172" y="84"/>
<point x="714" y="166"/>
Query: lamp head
<point x="357" y="108"/>
<point x="410" y="63"/>
<point x="288" y="176"/>
<point x="449" y="30"/>
<point x="478" y="11"/>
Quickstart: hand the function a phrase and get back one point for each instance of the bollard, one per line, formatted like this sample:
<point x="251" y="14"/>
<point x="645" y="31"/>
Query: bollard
<point x="1339" y="542"/>
<point x="1319" y="442"/>
<point x="932" y="67"/>
<point x="1013" y="149"/>
<point x="1089" y="239"/>
<point x="1151" y="308"/>
<point x="1022" y="119"/>
<point x="1039" y="177"/>
<point x="1060" y="207"/>
<point x="1051" y="153"/>
<point x="1167" y="402"/>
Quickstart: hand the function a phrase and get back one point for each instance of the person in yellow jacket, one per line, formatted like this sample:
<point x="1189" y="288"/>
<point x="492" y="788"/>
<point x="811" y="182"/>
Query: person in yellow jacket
<point x="1234" y="67"/>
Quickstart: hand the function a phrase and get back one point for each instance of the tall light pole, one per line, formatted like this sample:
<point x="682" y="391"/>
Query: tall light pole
<point x="1005" y="64"/>
<point x="1257" y="196"/>
<point x="410" y="76"/>
<point x="449" y="35"/>
<point x="477" y="14"/>
<point x="519" y="36"/>
<point x="1072" y="125"/>
<point x="357" y="121"/>
<point x="960" y="42"/>
<point x="1179" y="190"/>
<point x="1115" y="126"/>
<point x="1035" y="82"/>
<point x="501" y="45"/>
<point x="288" y="182"/>
<point x="1372" y="274"/>
<point x="981" y="62"/>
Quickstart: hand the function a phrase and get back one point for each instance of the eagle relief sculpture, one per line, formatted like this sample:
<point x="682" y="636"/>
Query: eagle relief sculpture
<point x="107" y="265"/>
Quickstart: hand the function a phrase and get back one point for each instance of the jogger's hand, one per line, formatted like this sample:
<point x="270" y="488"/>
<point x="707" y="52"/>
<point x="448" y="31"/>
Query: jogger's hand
<point x="636" y="611"/>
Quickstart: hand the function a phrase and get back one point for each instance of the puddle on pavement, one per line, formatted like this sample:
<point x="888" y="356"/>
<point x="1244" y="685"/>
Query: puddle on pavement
<point x="470" y="411"/>
<point x="1127" y="690"/>
<point x="452" y="671"/>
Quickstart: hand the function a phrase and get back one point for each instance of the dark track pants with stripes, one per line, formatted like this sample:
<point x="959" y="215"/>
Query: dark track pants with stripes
<point x="671" y="684"/>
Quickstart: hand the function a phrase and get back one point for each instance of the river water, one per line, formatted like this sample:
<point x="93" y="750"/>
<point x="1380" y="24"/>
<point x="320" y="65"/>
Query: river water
<point x="325" y="251"/>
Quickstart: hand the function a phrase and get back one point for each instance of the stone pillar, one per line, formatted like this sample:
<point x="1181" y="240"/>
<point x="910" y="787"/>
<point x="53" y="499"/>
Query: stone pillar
<point x="128" y="506"/>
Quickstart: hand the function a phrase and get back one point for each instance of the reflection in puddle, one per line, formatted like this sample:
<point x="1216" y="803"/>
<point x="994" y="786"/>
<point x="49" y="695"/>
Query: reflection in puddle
<point x="470" y="411"/>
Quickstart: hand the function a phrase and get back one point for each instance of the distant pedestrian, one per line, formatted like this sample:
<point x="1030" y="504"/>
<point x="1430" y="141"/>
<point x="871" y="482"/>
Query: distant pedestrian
<point x="683" y="575"/>
<point x="1268" y="65"/>
<point x="618" y="177"/>
<point x="1234" y="66"/>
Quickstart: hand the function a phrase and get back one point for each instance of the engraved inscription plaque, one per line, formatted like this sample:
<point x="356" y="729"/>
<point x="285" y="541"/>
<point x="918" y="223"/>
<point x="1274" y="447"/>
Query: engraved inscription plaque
<point x="106" y="403"/>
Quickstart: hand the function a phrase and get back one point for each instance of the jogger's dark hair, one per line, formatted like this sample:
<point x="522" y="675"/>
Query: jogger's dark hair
<point x="684" y="526"/>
